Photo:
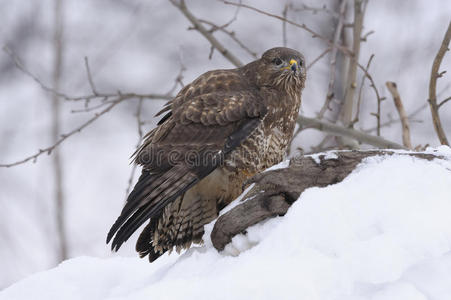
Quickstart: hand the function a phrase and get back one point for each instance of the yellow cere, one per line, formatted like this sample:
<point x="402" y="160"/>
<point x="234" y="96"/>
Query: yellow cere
<point x="292" y="62"/>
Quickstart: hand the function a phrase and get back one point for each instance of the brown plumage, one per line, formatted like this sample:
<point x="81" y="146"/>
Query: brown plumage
<point x="221" y="129"/>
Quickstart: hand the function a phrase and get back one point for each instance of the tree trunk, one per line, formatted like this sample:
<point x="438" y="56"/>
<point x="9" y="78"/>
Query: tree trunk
<point x="55" y="130"/>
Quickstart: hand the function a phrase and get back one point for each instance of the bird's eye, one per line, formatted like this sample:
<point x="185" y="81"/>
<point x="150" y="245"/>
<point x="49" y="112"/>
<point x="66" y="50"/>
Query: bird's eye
<point x="301" y="63"/>
<point x="277" y="61"/>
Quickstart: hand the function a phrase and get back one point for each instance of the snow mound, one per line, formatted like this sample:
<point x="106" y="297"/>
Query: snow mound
<point x="382" y="233"/>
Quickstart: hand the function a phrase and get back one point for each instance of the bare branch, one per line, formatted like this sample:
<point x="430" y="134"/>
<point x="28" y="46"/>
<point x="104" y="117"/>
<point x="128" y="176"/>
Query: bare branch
<point x="64" y="137"/>
<point x="231" y="34"/>
<point x="433" y="87"/>
<point x="91" y="82"/>
<point x="402" y="113"/>
<point x="338" y="130"/>
<point x="366" y="35"/>
<point x="333" y="60"/>
<point x="284" y="24"/>
<point x="346" y="111"/>
<point x="18" y="63"/>
<point x="178" y="79"/>
<point x="199" y="27"/>
<point x="393" y="121"/>
<point x="316" y="10"/>
<point x="107" y="99"/>
<point x="140" y="137"/>
<point x="378" y="97"/>
<point x="302" y="26"/>
<point x="359" y="100"/>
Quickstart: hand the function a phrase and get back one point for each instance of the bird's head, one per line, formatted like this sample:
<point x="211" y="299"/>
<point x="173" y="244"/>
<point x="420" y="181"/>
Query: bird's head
<point x="282" y="68"/>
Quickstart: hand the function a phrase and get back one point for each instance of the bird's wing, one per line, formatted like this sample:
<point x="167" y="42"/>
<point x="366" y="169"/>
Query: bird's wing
<point x="190" y="142"/>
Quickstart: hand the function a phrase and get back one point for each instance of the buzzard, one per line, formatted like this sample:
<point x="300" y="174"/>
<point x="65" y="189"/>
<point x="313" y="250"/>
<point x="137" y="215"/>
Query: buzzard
<point x="220" y="130"/>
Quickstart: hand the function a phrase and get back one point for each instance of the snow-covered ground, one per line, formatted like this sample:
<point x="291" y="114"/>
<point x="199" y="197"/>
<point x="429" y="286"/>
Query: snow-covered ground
<point x="382" y="233"/>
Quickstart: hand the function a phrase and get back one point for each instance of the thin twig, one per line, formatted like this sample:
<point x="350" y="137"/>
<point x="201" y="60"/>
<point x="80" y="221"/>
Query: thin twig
<point x="333" y="60"/>
<point x="139" y="121"/>
<point x="366" y="35"/>
<point x="302" y="26"/>
<point x="433" y="87"/>
<point x="284" y="24"/>
<point x="318" y="58"/>
<point x="63" y="137"/>
<point x="91" y="108"/>
<point x="393" y="121"/>
<point x="199" y="27"/>
<point x="18" y="63"/>
<point x="91" y="82"/>
<point x="178" y="79"/>
<point x="107" y="99"/>
<point x="443" y="102"/>
<point x="402" y="113"/>
<point x="140" y="136"/>
<point x="231" y="34"/>
<point x="359" y="100"/>
<point x="378" y="97"/>
<point x="316" y="10"/>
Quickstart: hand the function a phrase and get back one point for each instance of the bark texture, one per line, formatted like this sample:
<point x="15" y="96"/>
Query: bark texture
<point x="275" y="191"/>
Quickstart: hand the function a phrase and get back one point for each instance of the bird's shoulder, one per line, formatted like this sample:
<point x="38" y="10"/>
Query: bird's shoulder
<point x="206" y="112"/>
<point x="216" y="97"/>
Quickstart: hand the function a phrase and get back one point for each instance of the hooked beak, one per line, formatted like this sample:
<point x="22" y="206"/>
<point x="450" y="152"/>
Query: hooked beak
<point x="293" y="66"/>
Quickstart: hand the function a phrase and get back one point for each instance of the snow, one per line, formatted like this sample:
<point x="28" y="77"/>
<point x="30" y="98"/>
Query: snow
<point x="384" y="232"/>
<point x="138" y="46"/>
<point x="282" y="165"/>
<point x="317" y="157"/>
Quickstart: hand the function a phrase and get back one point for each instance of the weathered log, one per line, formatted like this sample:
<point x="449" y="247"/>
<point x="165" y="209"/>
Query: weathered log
<point x="274" y="191"/>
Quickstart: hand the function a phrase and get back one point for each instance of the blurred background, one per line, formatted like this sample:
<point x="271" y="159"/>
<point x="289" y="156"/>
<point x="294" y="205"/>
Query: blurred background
<point x="63" y="204"/>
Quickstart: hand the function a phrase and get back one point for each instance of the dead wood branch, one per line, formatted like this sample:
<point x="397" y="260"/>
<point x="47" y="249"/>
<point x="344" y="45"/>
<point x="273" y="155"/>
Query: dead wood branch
<point x="402" y="113"/>
<point x="433" y="87"/>
<point x="275" y="191"/>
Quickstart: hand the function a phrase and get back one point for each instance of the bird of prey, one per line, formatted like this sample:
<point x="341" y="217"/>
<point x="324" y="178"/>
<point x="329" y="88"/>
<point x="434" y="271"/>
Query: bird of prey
<point x="220" y="130"/>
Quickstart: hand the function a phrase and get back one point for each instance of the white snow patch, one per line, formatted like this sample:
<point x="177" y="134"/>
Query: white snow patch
<point x="317" y="157"/>
<point x="282" y="165"/>
<point x="382" y="233"/>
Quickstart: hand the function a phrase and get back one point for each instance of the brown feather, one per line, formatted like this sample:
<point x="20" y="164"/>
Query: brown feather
<point x="218" y="131"/>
